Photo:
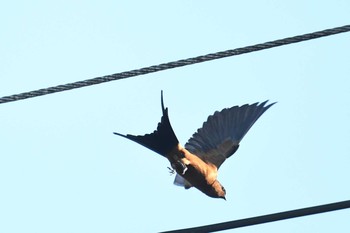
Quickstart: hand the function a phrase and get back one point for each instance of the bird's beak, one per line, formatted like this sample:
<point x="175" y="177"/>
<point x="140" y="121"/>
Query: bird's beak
<point x="224" y="198"/>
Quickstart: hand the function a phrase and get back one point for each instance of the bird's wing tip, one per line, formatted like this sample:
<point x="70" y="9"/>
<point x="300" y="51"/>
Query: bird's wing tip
<point x="266" y="102"/>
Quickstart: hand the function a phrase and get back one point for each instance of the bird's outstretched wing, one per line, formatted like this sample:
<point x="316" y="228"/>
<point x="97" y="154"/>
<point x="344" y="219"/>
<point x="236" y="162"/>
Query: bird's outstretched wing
<point x="221" y="134"/>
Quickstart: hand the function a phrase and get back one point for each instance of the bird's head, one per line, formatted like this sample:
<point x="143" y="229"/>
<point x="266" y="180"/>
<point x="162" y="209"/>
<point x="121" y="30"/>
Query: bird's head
<point x="218" y="190"/>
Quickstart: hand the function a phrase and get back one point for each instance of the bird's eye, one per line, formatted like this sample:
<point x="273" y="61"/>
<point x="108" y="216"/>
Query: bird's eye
<point x="223" y="189"/>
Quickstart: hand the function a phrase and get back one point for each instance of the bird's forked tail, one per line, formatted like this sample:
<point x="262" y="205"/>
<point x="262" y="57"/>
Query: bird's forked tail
<point x="162" y="140"/>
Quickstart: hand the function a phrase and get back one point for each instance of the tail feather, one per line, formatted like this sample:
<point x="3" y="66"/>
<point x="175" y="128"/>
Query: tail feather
<point x="162" y="140"/>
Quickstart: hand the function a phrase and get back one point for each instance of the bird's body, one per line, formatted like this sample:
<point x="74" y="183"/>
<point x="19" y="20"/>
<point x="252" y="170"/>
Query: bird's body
<point x="198" y="173"/>
<point x="197" y="163"/>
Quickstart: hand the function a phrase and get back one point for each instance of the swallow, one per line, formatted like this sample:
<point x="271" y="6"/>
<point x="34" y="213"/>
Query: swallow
<point x="197" y="163"/>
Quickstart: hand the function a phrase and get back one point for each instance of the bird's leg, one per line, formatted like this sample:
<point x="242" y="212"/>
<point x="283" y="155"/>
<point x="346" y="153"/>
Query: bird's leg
<point x="171" y="171"/>
<point x="184" y="170"/>
<point x="179" y="166"/>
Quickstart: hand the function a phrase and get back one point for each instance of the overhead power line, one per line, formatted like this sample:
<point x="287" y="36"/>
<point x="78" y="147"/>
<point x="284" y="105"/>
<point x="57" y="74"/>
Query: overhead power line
<point x="266" y="218"/>
<point x="174" y="64"/>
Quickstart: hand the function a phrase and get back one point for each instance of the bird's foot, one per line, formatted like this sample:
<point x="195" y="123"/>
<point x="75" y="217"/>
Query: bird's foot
<point x="180" y="167"/>
<point x="171" y="171"/>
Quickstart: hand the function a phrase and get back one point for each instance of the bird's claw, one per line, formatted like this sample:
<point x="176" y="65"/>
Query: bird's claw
<point x="171" y="171"/>
<point x="180" y="167"/>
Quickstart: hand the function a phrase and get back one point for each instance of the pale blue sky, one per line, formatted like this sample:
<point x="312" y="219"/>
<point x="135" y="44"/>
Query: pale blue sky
<point x="62" y="169"/>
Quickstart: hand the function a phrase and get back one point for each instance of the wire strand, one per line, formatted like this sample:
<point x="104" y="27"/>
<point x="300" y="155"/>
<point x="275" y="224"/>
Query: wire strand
<point x="266" y="218"/>
<point x="174" y="64"/>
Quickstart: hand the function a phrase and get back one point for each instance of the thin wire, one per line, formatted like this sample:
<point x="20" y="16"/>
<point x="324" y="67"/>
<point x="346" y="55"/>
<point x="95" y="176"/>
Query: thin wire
<point x="266" y="218"/>
<point x="174" y="64"/>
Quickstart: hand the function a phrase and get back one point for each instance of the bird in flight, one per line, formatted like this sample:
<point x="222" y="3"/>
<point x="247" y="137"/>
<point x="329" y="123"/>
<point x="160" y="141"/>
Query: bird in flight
<point x="197" y="163"/>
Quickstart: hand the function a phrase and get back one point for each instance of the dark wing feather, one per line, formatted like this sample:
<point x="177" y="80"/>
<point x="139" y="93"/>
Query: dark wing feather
<point x="221" y="134"/>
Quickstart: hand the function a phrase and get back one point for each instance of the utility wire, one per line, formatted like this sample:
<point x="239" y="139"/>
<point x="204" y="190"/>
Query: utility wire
<point x="266" y="218"/>
<point x="174" y="64"/>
